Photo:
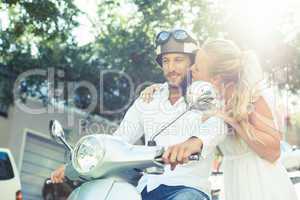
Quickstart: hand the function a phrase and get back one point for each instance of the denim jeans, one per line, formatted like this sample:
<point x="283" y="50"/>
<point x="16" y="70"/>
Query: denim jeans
<point x="164" y="192"/>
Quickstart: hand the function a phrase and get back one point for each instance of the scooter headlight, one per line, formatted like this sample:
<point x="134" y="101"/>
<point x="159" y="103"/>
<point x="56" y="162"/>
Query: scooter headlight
<point x="88" y="154"/>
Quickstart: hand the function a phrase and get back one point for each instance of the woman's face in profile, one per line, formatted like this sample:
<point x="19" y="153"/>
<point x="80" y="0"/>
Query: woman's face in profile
<point x="200" y="68"/>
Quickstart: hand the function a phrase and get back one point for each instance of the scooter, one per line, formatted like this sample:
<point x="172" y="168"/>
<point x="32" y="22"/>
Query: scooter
<point x="107" y="164"/>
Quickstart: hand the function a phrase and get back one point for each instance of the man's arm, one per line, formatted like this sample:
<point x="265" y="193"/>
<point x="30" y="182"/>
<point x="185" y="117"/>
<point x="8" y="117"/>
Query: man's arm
<point x="131" y="128"/>
<point x="210" y="133"/>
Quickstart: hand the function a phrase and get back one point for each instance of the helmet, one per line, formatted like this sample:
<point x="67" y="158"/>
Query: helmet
<point x="176" y="41"/>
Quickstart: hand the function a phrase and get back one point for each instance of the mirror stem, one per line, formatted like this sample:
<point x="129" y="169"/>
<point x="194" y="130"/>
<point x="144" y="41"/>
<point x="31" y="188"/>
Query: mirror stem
<point x="66" y="144"/>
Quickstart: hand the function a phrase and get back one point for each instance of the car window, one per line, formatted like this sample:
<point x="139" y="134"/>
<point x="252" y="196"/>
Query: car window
<point x="6" y="171"/>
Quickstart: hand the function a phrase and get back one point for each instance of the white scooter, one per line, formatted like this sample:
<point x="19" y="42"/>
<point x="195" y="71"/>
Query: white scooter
<point x="107" y="164"/>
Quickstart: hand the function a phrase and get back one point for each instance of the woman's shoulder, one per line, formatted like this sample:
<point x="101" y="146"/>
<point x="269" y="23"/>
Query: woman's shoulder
<point x="270" y="95"/>
<point x="270" y="104"/>
<point x="262" y="106"/>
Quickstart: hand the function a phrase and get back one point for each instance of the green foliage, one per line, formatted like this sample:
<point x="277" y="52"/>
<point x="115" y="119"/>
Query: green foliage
<point x="126" y="43"/>
<point x="39" y="35"/>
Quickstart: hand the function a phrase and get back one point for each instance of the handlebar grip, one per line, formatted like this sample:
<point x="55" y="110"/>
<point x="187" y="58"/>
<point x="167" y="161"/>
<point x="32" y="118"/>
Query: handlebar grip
<point x="193" y="157"/>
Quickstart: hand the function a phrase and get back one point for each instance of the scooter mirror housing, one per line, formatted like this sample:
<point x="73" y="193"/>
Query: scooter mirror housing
<point x="56" y="130"/>
<point x="57" y="133"/>
<point x="202" y="96"/>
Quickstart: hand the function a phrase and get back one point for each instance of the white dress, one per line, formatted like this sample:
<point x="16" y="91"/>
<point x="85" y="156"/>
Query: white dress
<point x="249" y="177"/>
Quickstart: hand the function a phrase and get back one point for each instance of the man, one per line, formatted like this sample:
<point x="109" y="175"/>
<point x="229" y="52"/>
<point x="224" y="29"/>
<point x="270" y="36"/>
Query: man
<point x="175" y="54"/>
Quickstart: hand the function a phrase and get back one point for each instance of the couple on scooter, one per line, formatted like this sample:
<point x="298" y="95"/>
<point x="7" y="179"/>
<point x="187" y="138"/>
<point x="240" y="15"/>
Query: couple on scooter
<point x="251" y="147"/>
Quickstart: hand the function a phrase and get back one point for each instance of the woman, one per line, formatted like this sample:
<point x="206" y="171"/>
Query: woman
<point x="251" y="169"/>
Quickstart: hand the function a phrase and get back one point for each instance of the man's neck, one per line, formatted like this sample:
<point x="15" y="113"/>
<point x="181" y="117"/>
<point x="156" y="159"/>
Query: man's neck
<point x="175" y="93"/>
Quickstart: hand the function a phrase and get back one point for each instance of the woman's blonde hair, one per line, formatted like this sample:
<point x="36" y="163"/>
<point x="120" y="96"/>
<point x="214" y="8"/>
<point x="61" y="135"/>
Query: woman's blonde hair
<point x="240" y="68"/>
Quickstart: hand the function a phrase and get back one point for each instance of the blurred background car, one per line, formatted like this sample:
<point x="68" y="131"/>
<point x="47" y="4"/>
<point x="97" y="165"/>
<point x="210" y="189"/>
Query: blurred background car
<point x="10" y="185"/>
<point x="290" y="156"/>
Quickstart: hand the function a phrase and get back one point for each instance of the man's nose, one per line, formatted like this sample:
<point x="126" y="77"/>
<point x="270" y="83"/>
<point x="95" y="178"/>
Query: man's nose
<point x="171" y="66"/>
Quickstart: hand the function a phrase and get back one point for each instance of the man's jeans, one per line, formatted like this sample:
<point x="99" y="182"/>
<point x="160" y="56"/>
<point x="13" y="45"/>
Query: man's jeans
<point x="164" y="192"/>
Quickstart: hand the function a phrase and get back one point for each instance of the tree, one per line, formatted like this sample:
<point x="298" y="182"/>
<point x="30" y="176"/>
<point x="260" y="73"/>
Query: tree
<point x="39" y="35"/>
<point x="42" y="38"/>
<point x="126" y="43"/>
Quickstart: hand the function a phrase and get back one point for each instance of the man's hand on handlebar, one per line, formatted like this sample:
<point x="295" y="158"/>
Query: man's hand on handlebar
<point x="180" y="153"/>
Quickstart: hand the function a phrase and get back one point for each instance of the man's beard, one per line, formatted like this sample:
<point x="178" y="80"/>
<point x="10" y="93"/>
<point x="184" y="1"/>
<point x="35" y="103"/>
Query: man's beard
<point x="183" y="84"/>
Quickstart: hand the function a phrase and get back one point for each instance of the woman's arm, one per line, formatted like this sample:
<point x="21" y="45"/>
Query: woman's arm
<point x="148" y="92"/>
<point x="267" y="142"/>
<point x="265" y="145"/>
